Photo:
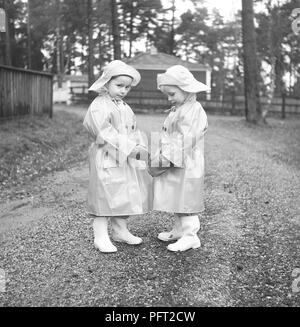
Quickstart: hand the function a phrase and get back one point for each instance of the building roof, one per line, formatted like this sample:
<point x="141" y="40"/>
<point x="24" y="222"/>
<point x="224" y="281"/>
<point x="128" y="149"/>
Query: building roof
<point x="159" y="60"/>
<point x="74" y="78"/>
<point x="77" y="78"/>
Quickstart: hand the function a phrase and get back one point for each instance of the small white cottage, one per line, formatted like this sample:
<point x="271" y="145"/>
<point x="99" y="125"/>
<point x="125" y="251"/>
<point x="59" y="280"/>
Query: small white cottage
<point x="72" y="85"/>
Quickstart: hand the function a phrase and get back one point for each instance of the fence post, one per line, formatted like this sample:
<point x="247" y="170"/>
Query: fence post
<point x="283" y="105"/>
<point x="51" y="100"/>
<point x="233" y="102"/>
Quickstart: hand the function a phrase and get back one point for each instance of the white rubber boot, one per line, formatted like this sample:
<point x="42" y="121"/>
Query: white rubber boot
<point x="101" y="237"/>
<point x="190" y="239"/>
<point x="174" y="234"/>
<point x="120" y="232"/>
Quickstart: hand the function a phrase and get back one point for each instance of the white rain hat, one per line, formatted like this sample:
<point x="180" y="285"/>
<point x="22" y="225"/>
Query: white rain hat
<point x="180" y="76"/>
<point x="115" y="68"/>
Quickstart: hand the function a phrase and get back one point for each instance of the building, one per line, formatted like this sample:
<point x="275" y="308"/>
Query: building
<point x="72" y="85"/>
<point x="145" y="95"/>
<point x="149" y="64"/>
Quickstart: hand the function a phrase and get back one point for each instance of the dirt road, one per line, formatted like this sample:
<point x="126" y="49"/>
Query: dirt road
<point x="250" y="233"/>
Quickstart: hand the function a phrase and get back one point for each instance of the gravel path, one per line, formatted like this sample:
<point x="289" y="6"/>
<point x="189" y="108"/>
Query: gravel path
<point x="250" y="233"/>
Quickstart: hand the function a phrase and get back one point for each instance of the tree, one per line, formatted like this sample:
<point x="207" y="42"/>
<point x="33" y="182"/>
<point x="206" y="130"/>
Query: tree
<point x="103" y="46"/>
<point x="37" y="31"/>
<point x="6" y="48"/>
<point x="278" y="46"/>
<point x="59" y="46"/>
<point x="172" y="32"/>
<point x="28" y="34"/>
<point x="165" y="30"/>
<point x="139" y="20"/>
<point x="81" y="43"/>
<point x="251" y="81"/>
<point x="208" y="39"/>
<point x="91" y="41"/>
<point x="115" y="30"/>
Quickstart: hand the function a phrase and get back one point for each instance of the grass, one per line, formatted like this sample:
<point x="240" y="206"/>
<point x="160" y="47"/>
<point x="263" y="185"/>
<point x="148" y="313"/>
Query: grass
<point x="31" y="147"/>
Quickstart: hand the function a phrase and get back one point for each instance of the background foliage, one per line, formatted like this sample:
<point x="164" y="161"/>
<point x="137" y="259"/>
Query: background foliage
<point x="53" y="35"/>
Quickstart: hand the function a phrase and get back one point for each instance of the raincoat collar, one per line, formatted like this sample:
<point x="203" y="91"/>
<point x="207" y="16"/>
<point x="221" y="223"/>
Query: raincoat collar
<point x="104" y="92"/>
<point x="192" y="97"/>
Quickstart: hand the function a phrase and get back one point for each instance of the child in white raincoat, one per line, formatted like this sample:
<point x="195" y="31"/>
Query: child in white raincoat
<point x="118" y="182"/>
<point x="179" y="179"/>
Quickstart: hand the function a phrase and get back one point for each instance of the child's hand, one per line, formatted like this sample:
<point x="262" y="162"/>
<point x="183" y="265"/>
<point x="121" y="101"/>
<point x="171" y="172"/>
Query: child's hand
<point x="156" y="171"/>
<point x="143" y="153"/>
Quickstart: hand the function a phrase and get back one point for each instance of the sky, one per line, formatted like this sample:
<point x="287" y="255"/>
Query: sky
<point x="225" y="7"/>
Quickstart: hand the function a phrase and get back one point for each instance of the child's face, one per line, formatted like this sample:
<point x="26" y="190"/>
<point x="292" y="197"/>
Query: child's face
<point x="175" y="95"/>
<point x="119" y="86"/>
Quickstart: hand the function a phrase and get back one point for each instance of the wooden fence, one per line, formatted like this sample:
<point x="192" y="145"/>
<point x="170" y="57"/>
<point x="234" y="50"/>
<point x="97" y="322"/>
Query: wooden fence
<point x="142" y="100"/>
<point x="229" y="104"/>
<point x="24" y="92"/>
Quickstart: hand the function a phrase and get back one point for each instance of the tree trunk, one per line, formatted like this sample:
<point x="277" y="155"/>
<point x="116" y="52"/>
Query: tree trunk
<point x="131" y="31"/>
<point x="91" y="42"/>
<point x="7" y="36"/>
<point x="115" y="30"/>
<point x="172" y="34"/>
<point x="271" y="89"/>
<point x="28" y="36"/>
<point x="58" y="45"/>
<point x="279" y="71"/>
<point x="252" y="102"/>
<point x="69" y="51"/>
<point x="100" y="47"/>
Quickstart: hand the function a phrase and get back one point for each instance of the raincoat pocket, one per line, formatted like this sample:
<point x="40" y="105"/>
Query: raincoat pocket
<point x="195" y="166"/>
<point x="103" y="160"/>
<point x="116" y="188"/>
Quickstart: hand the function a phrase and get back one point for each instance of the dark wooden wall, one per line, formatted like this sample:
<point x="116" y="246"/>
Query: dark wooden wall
<point x="24" y="92"/>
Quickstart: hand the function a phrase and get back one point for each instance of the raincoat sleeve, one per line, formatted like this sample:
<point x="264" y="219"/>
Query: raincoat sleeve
<point x="98" y="122"/>
<point x="190" y="129"/>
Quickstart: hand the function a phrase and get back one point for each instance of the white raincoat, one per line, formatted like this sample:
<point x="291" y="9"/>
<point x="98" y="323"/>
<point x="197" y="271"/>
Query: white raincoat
<point x="181" y="188"/>
<point x="118" y="185"/>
